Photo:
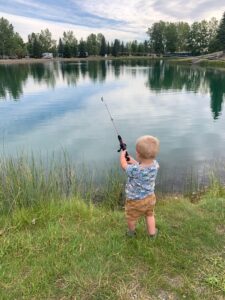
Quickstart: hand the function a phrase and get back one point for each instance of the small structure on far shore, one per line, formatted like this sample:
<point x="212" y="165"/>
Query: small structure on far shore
<point x="47" y="55"/>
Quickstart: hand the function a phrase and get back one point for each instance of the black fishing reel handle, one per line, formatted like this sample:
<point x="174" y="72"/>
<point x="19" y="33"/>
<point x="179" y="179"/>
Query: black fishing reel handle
<point x="123" y="147"/>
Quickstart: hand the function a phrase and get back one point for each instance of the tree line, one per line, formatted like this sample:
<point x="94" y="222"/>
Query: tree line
<point x="163" y="38"/>
<point x="198" y="38"/>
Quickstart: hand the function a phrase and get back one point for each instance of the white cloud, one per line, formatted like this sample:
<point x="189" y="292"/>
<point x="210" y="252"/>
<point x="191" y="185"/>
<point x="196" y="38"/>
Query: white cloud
<point x="123" y="19"/>
<point x="25" y="26"/>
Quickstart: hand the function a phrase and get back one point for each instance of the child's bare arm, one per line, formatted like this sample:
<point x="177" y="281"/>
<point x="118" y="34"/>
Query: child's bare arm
<point x="123" y="161"/>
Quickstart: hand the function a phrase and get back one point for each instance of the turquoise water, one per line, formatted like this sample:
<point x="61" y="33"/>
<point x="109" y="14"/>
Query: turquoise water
<point x="48" y="107"/>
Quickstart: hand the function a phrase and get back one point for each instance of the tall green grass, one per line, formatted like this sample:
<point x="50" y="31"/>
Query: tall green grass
<point x="26" y="180"/>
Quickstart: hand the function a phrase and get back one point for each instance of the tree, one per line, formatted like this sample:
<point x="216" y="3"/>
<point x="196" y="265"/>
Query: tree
<point x="34" y="46"/>
<point x="46" y="41"/>
<point x="198" y="41"/>
<point x="36" y="50"/>
<point x="157" y="37"/>
<point x="212" y="28"/>
<point x="183" y="31"/>
<point x="221" y="33"/>
<point x="146" y="47"/>
<point x="204" y="36"/>
<point x="141" y="49"/>
<point x="213" y="41"/>
<point x="108" y="49"/>
<point x="171" y="37"/>
<point x="18" y="46"/>
<point x="116" y="47"/>
<point x="82" y="48"/>
<point x="103" y="47"/>
<point x="60" y="48"/>
<point x="134" y="47"/>
<point x="70" y="44"/>
<point x="92" y="44"/>
<point x="6" y="36"/>
<point x="10" y="42"/>
<point x="99" y="41"/>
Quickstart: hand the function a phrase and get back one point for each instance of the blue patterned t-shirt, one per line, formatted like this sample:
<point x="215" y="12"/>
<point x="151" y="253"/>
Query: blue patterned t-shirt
<point x="140" y="180"/>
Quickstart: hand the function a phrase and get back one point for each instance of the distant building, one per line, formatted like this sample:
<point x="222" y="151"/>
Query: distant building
<point x="47" y="55"/>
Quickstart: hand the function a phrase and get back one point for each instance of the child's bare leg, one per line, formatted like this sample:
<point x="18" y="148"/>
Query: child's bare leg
<point x="131" y="225"/>
<point x="150" y="222"/>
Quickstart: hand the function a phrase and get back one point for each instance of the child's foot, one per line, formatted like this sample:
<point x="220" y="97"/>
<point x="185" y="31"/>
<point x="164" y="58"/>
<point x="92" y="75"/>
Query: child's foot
<point x="153" y="236"/>
<point x="131" y="233"/>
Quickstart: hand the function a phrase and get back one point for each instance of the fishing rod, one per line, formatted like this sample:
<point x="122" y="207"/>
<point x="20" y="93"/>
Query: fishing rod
<point x="123" y="146"/>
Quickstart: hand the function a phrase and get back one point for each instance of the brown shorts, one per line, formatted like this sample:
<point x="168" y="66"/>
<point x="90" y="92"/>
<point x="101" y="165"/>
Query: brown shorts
<point x="137" y="208"/>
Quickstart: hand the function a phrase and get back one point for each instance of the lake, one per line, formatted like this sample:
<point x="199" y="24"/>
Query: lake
<point x="56" y="106"/>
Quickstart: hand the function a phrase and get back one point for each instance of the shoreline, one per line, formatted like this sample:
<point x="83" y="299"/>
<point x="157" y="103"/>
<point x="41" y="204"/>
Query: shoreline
<point x="191" y="61"/>
<point x="72" y="59"/>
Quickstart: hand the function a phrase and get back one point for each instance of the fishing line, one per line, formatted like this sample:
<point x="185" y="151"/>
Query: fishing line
<point x="111" y="118"/>
<point x="123" y="146"/>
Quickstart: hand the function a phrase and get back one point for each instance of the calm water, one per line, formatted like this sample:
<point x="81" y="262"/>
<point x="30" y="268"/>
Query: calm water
<point x="54" y="106"/>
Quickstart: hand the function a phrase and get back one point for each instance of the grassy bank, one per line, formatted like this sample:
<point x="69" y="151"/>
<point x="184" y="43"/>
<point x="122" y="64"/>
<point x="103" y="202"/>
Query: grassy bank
<point x="201" y="62"/>
<point x="74" y="250"/>
<point x="61" y="238"/>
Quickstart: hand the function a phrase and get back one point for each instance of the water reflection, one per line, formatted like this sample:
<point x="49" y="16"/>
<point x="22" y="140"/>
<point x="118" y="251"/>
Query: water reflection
<point x="160" y="77"/>
<point x="12" y="79"/>
<point x="168" y="77"/>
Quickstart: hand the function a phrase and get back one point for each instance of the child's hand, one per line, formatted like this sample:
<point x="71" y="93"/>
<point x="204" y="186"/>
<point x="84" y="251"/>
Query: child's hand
<point x="123" y="161"/>
<point x="123" y="153"/>
<point x="132" y="161"/>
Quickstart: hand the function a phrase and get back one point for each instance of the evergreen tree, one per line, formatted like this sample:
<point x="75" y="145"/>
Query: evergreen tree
<point x="141" y="49"/>
<point x="134" y="47"/>
<point x="108" y="49"/>
<point x="146" y="47"/>
<point x="82" y="48"/>
<point x="221" y="33"/>
<point x="60" y="48"/>
<point x="116" y="47"/>
<point x="36" y="50"/>
<point x="34" y="46"/>
<point x="122" y="48"/>
<point x="103" y="47"/>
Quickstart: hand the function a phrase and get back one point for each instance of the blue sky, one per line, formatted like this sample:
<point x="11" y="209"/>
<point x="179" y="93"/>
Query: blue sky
<point x="123" y="19"/>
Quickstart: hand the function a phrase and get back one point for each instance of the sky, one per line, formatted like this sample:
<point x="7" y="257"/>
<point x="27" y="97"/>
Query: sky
<point x="123" y="19"/>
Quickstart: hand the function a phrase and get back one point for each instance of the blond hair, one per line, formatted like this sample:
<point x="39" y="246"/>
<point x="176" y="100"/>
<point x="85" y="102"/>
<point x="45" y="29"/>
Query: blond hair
<point x="147" y="146"/>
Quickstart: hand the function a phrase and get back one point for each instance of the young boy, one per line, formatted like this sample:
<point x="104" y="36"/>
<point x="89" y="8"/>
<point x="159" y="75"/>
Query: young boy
<point x="141" y="175"/>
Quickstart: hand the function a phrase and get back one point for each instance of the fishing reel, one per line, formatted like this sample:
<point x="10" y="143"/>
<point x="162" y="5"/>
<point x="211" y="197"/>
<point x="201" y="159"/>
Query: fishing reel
<point x="123" y="147"/>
